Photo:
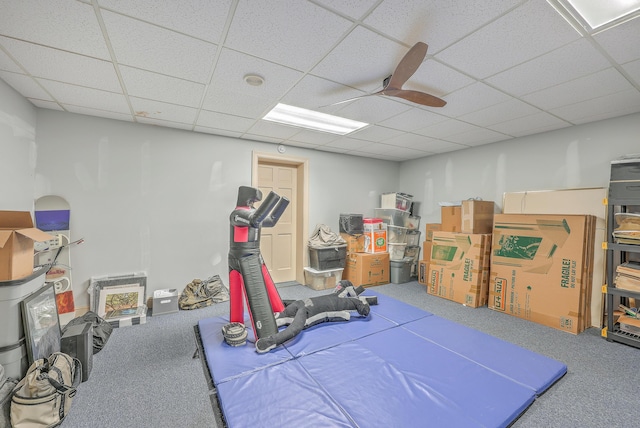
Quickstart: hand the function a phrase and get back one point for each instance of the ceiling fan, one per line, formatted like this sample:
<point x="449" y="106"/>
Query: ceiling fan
<point x="392" y="85"/>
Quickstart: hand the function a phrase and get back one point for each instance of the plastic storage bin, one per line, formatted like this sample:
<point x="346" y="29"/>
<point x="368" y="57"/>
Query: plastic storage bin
<point x="352" y="224"/>
<point x="413" y="237"/>
<point x="327" y="257"/>
<point x="165" y="301"/>
<point x="401" y="201"/>
<point x="392" y="216"/>
<point x="396" y="251"/>
<point x="400" y="271"/>
<point x="396" y="234"/>
<point x="322" y="279"/>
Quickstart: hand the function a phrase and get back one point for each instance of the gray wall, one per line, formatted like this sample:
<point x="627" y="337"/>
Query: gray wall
<point x="17" y="150"/>
<point x="576" y="157"/>
<point x="157" y="200"/>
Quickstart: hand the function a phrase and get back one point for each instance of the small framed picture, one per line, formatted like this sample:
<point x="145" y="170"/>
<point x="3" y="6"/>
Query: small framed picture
<point x="41" y="323"/>
<point x="122" y="294"/>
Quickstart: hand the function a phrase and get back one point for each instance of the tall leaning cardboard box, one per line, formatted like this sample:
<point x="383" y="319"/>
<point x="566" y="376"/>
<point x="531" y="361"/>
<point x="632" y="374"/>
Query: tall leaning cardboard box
<point x="540" y="266"/>
<point x="17" y="235"/>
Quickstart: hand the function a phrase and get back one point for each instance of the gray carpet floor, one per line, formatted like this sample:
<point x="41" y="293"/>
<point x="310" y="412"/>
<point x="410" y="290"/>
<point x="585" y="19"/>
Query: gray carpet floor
<point x="146" y="376"/>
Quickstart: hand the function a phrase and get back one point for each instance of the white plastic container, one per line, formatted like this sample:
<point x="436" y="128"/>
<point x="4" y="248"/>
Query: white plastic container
<point x="396" y="251"/>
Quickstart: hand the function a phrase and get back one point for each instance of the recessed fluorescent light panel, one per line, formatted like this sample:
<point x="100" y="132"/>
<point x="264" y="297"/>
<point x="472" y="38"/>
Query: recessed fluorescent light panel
<point x="596" y="16"/>
<point x="301" y="117"/>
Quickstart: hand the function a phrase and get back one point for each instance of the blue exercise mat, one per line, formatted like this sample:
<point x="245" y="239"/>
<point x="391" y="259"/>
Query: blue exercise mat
<point x="398" y="367"/>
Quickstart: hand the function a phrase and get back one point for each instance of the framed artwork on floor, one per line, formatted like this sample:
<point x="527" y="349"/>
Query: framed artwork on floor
<point x="41" y="323"/>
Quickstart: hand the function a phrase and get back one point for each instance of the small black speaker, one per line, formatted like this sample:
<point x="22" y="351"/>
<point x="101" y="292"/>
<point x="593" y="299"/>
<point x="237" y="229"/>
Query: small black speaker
<point x="77" y="341"/>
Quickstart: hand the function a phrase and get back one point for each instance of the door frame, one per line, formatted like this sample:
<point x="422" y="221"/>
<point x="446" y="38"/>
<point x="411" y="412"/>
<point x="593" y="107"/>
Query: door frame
<point x="302" y="212"/>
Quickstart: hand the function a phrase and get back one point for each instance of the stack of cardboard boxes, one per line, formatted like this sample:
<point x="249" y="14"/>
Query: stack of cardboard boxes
<point x="457" y="253"/>
<point x="367" y="261"/>
<point x="532" y="266"/>
<point x="541" y="266"/>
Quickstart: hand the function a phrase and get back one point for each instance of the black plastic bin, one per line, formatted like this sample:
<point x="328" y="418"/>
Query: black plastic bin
<point x="327" y="257"/>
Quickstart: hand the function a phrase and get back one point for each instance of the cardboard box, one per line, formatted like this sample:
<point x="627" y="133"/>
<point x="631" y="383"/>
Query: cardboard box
<point x="322" y="279"/>
<point x="423" y="272"/>
<point x="540" y="268"/>
<point x="426" y="245"/>
<point x="17" y="235"/>
<point x="367" y="269"/>
<point x="629" y="325"/>
<point x="459" y="267"/>
<point x="451" y="218"/>
<point x="477" y="216"/>
<point x="355" y="243"/>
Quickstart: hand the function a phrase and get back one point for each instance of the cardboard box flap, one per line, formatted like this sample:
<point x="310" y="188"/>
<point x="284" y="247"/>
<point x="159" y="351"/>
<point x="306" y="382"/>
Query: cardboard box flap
<point x="4" y="237"/>
<point x="35" y="234"/>
<point x="15" y="220"/>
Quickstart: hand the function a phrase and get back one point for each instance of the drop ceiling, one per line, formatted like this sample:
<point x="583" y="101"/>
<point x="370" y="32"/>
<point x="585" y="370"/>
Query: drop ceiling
<point x="507" y="68"/>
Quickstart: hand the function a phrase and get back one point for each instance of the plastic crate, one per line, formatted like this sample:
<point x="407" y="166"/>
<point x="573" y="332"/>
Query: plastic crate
<point x="401" y="201"/>
<point x="322" y="279"/>
<point x="351" y="224"/>
<point x="396" y="234"/>
<point x="327" y="257"/>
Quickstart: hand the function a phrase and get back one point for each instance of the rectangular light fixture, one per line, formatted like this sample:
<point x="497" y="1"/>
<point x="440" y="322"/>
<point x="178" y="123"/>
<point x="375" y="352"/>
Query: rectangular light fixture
<point x="596" y="16"/>
<point x="309" y="119"/>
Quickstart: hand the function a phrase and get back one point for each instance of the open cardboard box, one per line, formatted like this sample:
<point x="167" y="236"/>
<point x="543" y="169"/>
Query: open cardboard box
<point x="17" y="235"/>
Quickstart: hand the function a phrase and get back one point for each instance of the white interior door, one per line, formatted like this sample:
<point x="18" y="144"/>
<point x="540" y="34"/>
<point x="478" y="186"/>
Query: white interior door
<point x="277" y="244"/>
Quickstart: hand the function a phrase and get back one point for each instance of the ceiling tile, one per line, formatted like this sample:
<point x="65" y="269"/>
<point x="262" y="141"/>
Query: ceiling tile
<point x="439" y="146"/>
<point x="602" y="83"/>
<point x="375" y="133"/>
<point x="413" y="119"/>
<point x="152" y="48"/>
<point x="98" y="113"/>
<point x="6" y="63"/>
<point x="52" y="105"/>
<point x="510" y="109"/>
<point x="569" y="62"/>
<point x="223" y="121"/>
<point x="437" y="79"/>
<point x="472" y="98"/>
<point x="347" y="143"/>
<point x="478" y="136"/>
<point x="362" y="60"/>
<point x="63" y="24"/>
<point x="215" y="131"/>
<point x="510" y="40"/>
<point x="25" y="85"/>
<point x="373" y="109"/>
<point x="164" y="111"/>
<point x="435" y="22"/>
<point x="618" y="104"/>
<point x="233" y="66"/>
<point x="539" y="122"/>
<point x="633" y="69"/>
<point x="622" y="42"/>
<point x="164" y="123"/>
<point x="202" y="19"/>
<point x="353" y="8"/>
<point x="80" y="96"/>
<point x="154" y="86"/>
<point x="55" y="64"/>
<point x="283" y="32"/>
<point x="320" y="94"/>
<point x="445" y="128"/>
<point x="313" y="137"/>
<point x="272" y="129"/>
<point x="412" y="141"/>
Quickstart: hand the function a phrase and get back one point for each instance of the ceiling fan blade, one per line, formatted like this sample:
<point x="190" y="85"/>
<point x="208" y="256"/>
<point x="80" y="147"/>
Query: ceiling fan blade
<point x="408" y="65"/>
<point x="415" y="97"/>
<point x="349" y="99"/>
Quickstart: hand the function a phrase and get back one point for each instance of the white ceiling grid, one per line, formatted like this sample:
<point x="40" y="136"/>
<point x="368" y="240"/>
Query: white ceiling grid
<point x="506" y="68"/>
